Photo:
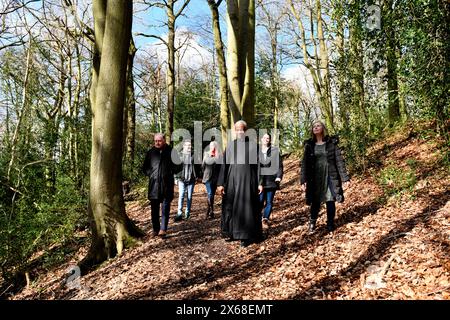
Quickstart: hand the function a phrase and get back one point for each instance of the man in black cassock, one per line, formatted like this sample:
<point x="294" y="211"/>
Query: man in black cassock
<point x="239" y="184"/>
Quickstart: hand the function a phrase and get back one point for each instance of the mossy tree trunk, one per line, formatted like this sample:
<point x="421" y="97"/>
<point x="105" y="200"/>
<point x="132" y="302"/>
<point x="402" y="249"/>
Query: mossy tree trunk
<point x="223" y="80"/>
<point x="111" y="228"/>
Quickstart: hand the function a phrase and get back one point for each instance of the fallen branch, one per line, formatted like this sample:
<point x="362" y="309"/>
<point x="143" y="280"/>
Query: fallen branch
<point x="386" y="265"/>
<point x="6" y="290"/>
<point x="437" y="291"/>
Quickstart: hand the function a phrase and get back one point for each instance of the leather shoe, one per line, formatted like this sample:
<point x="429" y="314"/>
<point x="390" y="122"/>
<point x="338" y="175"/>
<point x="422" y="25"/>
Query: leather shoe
<point x="162" y="233"/>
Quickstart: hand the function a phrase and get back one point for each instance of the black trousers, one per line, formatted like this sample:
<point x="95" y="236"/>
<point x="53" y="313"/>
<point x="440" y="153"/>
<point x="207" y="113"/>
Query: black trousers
<point x="331" y="211"/>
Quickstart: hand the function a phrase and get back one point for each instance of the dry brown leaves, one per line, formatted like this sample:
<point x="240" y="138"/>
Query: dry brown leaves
<point x="383" y="248"/>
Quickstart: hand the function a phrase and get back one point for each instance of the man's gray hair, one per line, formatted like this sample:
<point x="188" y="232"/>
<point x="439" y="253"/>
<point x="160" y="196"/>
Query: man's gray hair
<point x="242" y="123"/>
<point x="160" y="135"/>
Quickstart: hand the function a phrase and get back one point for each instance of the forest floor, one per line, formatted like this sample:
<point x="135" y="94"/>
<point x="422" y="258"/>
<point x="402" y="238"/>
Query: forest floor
<point x="392" y="241"/>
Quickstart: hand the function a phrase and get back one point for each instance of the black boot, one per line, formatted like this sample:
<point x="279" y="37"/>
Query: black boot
<point x="331" y="212"/>
<point x="209" y="209"/>
<point x="312" y="226"/>
<point x="330" y="226"/>
<point x="211" y="204"/>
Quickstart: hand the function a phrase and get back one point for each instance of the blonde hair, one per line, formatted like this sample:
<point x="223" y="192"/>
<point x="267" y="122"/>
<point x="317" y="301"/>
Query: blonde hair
<point x="325" y="130"/>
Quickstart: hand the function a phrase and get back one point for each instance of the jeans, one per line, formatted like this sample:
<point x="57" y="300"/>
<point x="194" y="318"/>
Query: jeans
<point x="182" y="188"/>
<point x="331" y="211"/>
<point x="267" y="196"/>
<point x="165" y="210"/>
<point x="211" y="190"/>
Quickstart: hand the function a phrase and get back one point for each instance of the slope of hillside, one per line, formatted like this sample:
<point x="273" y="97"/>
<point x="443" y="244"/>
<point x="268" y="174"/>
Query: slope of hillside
<point x="392" y="242"/>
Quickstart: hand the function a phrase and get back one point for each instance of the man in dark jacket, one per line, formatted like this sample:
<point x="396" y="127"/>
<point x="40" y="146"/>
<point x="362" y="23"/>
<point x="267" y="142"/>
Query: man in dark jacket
<point x="160" y="168"/>
<point x="271" y="175"/>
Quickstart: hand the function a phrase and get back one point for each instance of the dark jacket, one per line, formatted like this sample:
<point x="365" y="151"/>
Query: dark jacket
<point x="160" y="169"/>
<point x="188" y="168"/>
<point x="272" y="168"/>
<point x="337" y="172"/>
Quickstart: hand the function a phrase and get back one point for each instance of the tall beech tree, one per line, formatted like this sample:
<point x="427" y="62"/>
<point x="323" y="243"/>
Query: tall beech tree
<point x="110" y="226"/>
<point x="241" y="59"/>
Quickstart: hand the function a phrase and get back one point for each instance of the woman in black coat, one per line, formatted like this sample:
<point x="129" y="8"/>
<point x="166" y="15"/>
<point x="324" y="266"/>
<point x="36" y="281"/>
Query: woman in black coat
<point x="322" y="174"/>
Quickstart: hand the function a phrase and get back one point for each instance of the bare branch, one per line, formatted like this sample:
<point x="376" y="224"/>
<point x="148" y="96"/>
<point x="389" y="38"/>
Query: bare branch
<point x="186" y="2"/>
<point x="8" y="10"/>
<point x="152" y="36"/>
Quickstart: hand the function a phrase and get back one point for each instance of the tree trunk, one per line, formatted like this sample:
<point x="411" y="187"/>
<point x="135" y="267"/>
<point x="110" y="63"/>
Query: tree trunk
<point x="51" y="121"/>
<point x="319" y="81"/>
<point x="248" y="40"/>
<point x="324" y="68"/>
<point x="272" y="23"/>
<point x="392" y="84"/>
<point x="356" y="63"/>
<point x="130" y="105"/>
<point x="22" y="112"/>
<point x="442" y="53"/>
<point x="391" y="60"/>
<point x="241" y="59"/>
<point x="275" y="81"/>
<point x="159" y="99"/>
<point x="233" y="61"/>
<point x="76" y="109"/>
<point x="223" y="81"/>
<point x="340" y="69"/>
<point x="111" y="228"/>
<point x="170" y="70"/>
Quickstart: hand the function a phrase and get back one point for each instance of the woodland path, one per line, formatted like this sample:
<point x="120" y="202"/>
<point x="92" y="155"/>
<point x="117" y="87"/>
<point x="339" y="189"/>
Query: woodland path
<point x="386" y="246"/>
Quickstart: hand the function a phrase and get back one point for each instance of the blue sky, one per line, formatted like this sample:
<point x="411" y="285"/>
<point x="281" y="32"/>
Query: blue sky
<point x="151" y="21"/>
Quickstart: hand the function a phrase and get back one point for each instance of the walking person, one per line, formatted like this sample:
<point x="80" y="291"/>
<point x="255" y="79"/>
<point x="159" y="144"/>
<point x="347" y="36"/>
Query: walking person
<point x="271" y="175"/>
<point x="160" y="169"/>
<point x="240" y="187"/>
<point x="322" y="174"/>
<point x="186" y="179"/>
<point x="212" y="160"/>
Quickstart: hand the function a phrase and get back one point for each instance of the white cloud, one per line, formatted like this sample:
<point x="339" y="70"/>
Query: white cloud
<point x="193" y="55"/>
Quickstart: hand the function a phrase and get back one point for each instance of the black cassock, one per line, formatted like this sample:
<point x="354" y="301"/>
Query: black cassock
<point x="239" y="175"/>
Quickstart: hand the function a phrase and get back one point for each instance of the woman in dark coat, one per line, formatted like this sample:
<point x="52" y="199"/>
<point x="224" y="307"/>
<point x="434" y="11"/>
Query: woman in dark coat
<point x="240" y="186"/>
<point x="322" y="173"/>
